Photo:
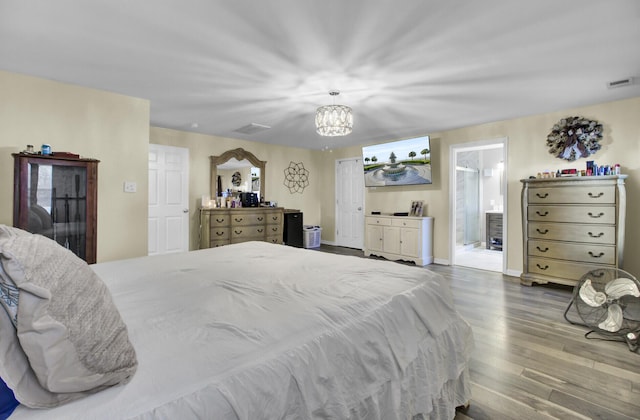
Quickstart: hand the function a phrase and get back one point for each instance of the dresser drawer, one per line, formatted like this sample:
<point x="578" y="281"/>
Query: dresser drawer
<point x="598" y="254"/>
<point x="253" y="232"/>
<point x="573" y="214"/>
<point x="273" y="230"/>
<point x="219" y="233"/>
<point x="273" y="218"/>
<point x="246" y="219"/>
<point x="220" y="242"/>
<point x="577" y="195"/>
<point x="561" y="269"/>
<point x="408" y="223"/>
<point x="274" y="239"/>
<point x="595" y="234"/>
<point x="219" y="220"/>
<point x="381" y="221"/>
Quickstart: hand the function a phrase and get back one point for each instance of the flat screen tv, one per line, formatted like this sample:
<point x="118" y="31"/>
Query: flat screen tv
<point x="401" y="162"/>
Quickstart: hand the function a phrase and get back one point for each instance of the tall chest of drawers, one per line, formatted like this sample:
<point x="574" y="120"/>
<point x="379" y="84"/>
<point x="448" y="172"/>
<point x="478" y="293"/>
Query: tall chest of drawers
<point x="571" y="226"/>
<point x="230" y="226"/>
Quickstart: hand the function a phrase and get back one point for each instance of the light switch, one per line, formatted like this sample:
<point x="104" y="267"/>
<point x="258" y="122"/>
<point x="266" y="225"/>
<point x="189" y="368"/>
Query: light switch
<point x="130" y="186"/>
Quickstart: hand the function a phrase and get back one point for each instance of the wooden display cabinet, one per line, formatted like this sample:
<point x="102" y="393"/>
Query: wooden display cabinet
<point x="57" y="197"/>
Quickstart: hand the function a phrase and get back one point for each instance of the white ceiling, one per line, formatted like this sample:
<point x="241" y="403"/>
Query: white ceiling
<point x="406" y="67"/>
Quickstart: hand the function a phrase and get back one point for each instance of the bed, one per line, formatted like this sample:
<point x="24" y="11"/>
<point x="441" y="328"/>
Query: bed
<point x="263" y="331"/>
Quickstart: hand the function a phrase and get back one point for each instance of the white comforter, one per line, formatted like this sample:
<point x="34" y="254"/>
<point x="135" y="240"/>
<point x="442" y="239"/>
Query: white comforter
<point x="262" y="331"/>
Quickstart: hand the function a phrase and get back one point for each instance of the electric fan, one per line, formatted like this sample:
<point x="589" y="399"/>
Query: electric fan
<point x="608" y="301"/>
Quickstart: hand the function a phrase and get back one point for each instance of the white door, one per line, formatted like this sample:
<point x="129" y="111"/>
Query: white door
<point x="168" y="199"/>
<point x="350" y="203"/>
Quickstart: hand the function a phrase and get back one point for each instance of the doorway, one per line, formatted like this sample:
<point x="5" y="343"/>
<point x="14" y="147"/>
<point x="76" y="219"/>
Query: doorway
<point x="168" y="199"/>
<point x="350" y="203"/>
<point x="478" y="213"/>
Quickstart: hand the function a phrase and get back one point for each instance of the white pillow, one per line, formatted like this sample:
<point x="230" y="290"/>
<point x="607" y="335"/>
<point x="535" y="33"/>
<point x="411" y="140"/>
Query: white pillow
<point x="71" y="333"/>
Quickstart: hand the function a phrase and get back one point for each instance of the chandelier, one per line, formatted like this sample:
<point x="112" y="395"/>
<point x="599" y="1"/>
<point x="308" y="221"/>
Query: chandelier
<point x="334" y="120"/>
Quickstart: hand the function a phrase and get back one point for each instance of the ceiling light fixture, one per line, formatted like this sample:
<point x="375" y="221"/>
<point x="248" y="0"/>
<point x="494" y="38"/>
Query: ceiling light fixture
<point x="334" y="120"/>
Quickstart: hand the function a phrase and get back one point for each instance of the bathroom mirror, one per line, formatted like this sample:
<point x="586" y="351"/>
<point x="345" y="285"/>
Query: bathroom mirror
<point x="237" y="160"/>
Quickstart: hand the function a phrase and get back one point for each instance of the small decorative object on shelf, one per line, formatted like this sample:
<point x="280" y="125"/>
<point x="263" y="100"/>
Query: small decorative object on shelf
<point x="416" y="208"/>
<point x="574" y="137"/>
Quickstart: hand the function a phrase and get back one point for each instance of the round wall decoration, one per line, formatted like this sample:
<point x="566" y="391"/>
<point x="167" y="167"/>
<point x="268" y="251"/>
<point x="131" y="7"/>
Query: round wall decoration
<point x="236" y="179"/>
<point x="296" y="177"/>
<point x="572" y="138"/>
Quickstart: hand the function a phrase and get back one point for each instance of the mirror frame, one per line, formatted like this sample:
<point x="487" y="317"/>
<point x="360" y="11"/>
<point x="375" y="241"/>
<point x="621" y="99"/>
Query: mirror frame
<point x="239" y="154"/>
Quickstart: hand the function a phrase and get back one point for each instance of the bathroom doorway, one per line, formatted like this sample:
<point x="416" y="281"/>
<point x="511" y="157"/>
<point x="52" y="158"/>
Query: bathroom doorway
<point x="478" y="212"/>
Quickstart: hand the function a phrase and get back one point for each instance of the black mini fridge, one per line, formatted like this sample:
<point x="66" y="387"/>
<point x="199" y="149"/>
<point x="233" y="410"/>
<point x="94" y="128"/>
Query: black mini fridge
<point x="293" y="228"/>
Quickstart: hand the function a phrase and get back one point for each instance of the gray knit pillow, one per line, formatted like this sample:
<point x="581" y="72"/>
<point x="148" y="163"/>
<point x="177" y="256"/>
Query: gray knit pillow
<point x="72" y="334"/>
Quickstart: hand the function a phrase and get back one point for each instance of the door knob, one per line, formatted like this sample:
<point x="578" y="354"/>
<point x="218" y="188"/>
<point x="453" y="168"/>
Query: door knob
<point x="185" y="211"/>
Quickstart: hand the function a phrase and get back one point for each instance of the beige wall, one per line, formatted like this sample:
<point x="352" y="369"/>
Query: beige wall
<point x="115" y="129"/>
<point x="527" y="154"/>
<point x="277" y="157"/>
<point x="105" y="126"/>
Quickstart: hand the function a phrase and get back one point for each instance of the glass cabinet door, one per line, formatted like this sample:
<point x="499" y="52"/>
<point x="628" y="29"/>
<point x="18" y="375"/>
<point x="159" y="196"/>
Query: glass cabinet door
<point x="57" y="199"/>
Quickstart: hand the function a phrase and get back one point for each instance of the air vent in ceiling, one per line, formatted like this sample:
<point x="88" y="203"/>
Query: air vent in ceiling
<point x="620" y="83"/>
<point x="252" y="128"/>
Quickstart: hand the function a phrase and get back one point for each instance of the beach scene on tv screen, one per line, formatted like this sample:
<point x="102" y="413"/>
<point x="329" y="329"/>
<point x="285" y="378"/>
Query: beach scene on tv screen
<point x="403" y="162"/>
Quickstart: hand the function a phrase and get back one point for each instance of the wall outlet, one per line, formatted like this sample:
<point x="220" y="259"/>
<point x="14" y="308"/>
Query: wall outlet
<point x="130" y="186"/>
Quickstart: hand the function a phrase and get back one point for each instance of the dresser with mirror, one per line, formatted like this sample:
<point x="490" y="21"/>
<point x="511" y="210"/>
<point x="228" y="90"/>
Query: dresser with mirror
<point x="233" y="173"/>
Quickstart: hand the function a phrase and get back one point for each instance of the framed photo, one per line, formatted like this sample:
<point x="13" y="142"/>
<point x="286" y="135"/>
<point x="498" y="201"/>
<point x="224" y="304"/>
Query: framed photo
<point x="416" y="208"/>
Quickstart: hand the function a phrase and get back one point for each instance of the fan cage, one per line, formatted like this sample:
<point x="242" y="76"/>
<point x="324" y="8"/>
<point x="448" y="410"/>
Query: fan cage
<point x="591" y="317"/>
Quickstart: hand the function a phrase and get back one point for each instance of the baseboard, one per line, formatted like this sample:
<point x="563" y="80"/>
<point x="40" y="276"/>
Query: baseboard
<point x="441" y="261"/>
<point x="513" y="273"/>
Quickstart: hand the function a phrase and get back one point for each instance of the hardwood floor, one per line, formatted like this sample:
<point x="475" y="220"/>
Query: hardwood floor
<point x="529" y="362"/>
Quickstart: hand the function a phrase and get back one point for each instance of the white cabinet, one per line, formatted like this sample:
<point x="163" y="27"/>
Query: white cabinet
<point x="400" y="238"/>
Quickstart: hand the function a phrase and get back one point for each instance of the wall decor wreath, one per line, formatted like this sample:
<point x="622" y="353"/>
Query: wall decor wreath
<point x="296" y="177"/>
<point x="572" y="138"/>
<point x="236" y="179"/>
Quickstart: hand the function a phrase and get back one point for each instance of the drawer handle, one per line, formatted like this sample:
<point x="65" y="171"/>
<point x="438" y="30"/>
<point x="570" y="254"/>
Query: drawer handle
<point x="219" y="220"/>
<point x="238" y="219"/>
<point x="596" y="256"/>
<point x="274" y="218"/>
<point x="539" y="213"/>
<point x="219" y="233"/>
<point x="260" y="219"/>
<point x="238" y="232"/>
<point x="545" y="195"/>
<point x="596" y="196"/>
<point x="541" y="232"/>
<point x="541" y="267"/>
<point x="260" y="230"/>
<point x="596" y="236"/>
<point x="275" y="229"/>
<point x="542" y="250"/>
<point x="595" y="216"/>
